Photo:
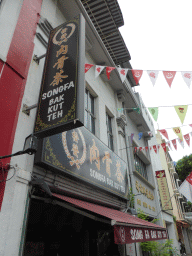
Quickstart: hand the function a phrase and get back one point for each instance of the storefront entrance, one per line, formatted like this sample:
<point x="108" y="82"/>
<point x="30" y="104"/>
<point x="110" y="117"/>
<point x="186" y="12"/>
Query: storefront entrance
<point x="56" y="231"/>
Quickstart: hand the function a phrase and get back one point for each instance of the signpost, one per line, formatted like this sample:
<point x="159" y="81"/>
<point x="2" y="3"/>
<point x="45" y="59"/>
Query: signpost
<point x="61" y="102"/>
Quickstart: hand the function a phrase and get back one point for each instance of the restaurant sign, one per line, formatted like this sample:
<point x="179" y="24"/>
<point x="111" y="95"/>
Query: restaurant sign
<point x="163" y="190"/>
<point x="80" y="154"/>
<point x="128" y="234"/>
<point x="61" y="102"/>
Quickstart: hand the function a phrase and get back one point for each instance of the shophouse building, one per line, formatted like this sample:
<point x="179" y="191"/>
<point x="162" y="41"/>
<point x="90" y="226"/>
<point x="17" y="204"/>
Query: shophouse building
<point x="74" y="193"/>
<point x="180" y="208"/>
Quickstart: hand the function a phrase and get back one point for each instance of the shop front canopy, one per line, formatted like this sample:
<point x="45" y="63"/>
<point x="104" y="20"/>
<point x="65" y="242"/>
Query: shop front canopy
<point x="127" y="228"/>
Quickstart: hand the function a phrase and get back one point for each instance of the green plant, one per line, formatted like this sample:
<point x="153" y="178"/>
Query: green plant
<point x="153" y="247"/>
<point x="131" y="198"/>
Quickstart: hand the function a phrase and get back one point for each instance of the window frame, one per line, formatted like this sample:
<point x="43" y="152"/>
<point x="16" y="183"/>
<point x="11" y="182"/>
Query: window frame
<point x="90" y="111"/>
<point x="109" y="131"/>
<point x="138" y="163"/>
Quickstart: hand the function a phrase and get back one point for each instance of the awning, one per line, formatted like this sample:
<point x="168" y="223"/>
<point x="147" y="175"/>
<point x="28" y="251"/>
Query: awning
<point x="127" y="228"/>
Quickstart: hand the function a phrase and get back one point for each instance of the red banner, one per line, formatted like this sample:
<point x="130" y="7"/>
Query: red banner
<point x="128" y="235"/>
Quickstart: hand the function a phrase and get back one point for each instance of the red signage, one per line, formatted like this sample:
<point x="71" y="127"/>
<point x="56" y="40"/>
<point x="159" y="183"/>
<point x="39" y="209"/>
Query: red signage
<point x="128" y="235"/>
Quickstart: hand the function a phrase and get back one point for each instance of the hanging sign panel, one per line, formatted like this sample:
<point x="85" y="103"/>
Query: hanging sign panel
<point x="61" y="102"/>
<point x="163" y="190"/>
<point x="80" y="154"/>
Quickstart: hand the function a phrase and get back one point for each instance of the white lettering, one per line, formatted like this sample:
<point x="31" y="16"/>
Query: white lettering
<point x="98" y="176"/>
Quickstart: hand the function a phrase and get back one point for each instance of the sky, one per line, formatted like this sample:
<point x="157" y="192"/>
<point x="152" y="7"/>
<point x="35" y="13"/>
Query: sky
<point x="158" y="37"/>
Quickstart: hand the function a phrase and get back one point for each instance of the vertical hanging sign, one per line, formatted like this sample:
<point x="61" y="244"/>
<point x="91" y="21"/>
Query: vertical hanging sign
<point x="61" y="102"/>
<point x="163" y="190"/>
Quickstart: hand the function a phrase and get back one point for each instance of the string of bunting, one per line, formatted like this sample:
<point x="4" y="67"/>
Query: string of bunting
<point x="137" y="74"/>
<point x="181" y="111"/>
<point x="164" y="145"/>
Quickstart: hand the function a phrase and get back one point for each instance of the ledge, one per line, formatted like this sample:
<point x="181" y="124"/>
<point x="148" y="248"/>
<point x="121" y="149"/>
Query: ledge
<point x="143" y="179"/>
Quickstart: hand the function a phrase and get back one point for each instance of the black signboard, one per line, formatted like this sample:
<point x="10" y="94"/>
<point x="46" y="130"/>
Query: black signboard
<point x="80" y="154"/>
<point x="61" y="102"/>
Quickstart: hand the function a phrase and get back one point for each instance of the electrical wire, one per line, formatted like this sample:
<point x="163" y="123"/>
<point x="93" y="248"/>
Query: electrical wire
<point x="29" y="151"/>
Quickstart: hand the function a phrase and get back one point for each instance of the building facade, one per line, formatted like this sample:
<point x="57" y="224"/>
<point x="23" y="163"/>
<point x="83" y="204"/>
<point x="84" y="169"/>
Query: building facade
<point x="89" y="170"/>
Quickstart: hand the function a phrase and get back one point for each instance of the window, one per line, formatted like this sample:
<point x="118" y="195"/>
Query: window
<point x="140" y="166"/>
<point x="89" y="112"/>
<point x="109" y="132"/>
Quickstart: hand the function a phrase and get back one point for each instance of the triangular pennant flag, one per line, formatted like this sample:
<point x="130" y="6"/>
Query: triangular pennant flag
<point x="187" y="76"/>
<point x="140" y="135"/>
<point x="153" y="74"/>
<point x="190" y="125"/>
<point x="178" y="132"/>
<point x="108" y="71"/>
<point x="164" y="132"/>
<point x="87" y="67"/>
<point x="132" y="135"/>
<point x="150" y="148"/>
<point x="174" y="144"/>
<point x="169" y="76"/>
<point x="181" y="142"/>
<point x="140" y="149"/>
<point x="169" y="144"/>
<point x="187" y="139"/>
<point x="137" y="75"/>
<point x="98" y="70"/>
<point x="122" y="73"/>
<point x="155" y="148"/>
<point x="135" y="149"/>
<point x="158" y="146"/>
<point x="181" y="111"/>
<point x="137" y="110"/>
<point x="164" y="146"/>
<point x="154" y="112"/>
<point x="146" y="148"/>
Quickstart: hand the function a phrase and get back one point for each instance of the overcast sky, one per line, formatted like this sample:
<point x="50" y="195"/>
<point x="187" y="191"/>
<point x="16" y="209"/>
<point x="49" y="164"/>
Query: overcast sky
<point x="158" y="37"/>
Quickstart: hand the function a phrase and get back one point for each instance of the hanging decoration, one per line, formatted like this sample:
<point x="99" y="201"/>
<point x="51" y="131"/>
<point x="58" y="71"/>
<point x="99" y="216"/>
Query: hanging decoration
<point x="177" y="131"/>
<point x="174" y="142"/>
<point x="163" y="145"/>
<point x="155" y="148"/>
<point x="169" y="144"/>
<point x="153" y="74"/>
<point x="187" y="139"/>
<point x="88" y="66"/>
<point x="154" y="112"/>
<point x="164" y="132"/>
<point x="181" y="142"/>
<point x="181" y="111"/>
<point x="169" y="76"/>
<point x="140" y="135"/>
<point x="122" y="73"/>
<point x="187" y="77"/>
<point x="98" y="70"/>
<point x="137" y="74"/>
<point x="108" y="71"/>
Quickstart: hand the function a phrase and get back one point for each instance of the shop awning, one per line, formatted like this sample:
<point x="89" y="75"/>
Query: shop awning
<point x="127" y="228"/>
<point x="182" y="224"/>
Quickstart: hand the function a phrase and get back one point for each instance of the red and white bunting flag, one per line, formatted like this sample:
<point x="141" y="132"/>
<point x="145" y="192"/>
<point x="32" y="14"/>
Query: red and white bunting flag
<point x="98" y="70"/>
<point x="137" y="75"/>
<point x="186" y="187"/>
<point x="108" y="71"/>
<point x="169" y="144"/>
<point x="163" y="145"/>
<point x="164" y="132"/>
<point x="169" y="76"/>
<point x="187" y="76"/>
<point x="150" y="148"/>
<point x="135" y="149"/>
<point x="174" y="144"/>
<point x="158" y="147"/>
<point x="181" y="142"/>
<point x="153" y="74"/>
<point x="190" y="125"/>
<point x="146" y="148"/>
<point x="155" y="148"/>
<point x="88" y="66"/>
<point x="122" y="73"/>
<point x="187" y="139"/>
